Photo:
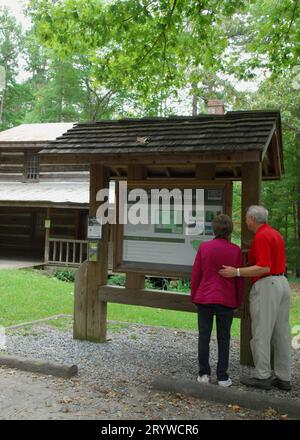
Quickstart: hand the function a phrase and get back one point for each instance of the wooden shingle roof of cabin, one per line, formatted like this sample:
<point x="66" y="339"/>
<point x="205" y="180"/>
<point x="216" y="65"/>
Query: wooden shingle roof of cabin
<point x="247" y="131"/>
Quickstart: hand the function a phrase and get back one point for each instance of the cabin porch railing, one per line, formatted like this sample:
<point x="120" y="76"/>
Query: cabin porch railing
<point x="66" y="252"/>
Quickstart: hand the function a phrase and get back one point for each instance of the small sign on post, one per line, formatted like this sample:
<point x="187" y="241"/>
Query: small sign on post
<point x="94" y="235"/>
<point x="47" y="224"/>
<point x="93" y="250"/>
<point x="94" y="229"/>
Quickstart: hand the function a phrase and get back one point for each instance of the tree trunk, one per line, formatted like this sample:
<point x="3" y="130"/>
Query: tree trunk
<point x="298" y="206"/>
<point x="298" y="244"/>
<point x="3" y="98"/>
<point x="195" y="100"/>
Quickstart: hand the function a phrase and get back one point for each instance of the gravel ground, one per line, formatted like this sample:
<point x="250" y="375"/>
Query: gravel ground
<point x="114" y="378"/>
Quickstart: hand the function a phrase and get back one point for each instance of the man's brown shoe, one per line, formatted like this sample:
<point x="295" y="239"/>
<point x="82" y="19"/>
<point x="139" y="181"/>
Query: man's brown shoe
<point x="284" y="385"/>
<point x="263" y="384"/>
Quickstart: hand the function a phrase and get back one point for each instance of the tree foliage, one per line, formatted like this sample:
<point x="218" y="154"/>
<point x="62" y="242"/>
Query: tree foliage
<point x="149" y="47"/>
<point x="87" y="60"/>
<point x="283" y="197"/>
<point x="11" y="43"/>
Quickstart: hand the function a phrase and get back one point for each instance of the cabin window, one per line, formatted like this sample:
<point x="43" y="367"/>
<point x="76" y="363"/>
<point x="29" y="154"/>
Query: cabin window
<point x="32" y="167"/>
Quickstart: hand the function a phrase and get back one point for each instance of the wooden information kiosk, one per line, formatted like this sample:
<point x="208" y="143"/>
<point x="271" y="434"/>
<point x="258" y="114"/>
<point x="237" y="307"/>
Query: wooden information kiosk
<point x="207" y="152"/>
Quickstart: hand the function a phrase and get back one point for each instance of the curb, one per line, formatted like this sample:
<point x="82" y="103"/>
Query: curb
<point x="213" y="393"/>
<point x="38" y="366"/>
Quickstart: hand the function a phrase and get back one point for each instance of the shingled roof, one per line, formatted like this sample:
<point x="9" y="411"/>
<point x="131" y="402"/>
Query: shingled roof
<point x="34" y="132"/>
<point x="233" y="131"/>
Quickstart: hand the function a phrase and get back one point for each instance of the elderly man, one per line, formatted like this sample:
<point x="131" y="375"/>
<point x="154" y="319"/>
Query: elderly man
<point x="269" y="302"/>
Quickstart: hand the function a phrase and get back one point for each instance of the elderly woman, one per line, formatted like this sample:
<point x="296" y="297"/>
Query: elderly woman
<point x="215" y="295"/>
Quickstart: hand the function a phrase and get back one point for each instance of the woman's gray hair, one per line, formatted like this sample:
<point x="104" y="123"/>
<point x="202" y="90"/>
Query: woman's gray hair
<point x="260" y="213"/>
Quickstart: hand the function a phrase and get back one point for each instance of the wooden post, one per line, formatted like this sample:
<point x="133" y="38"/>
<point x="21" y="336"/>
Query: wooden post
<point x="47" y="236"/>
<point x="228" y="198"/>
<point x="135" y="280"/>
<point x="90" y="314"/>
<point x="80" y="302"/>
<point x="251" y="186"/>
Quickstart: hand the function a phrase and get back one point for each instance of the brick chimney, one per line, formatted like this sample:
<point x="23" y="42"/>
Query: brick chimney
<point x="215" y="107"/>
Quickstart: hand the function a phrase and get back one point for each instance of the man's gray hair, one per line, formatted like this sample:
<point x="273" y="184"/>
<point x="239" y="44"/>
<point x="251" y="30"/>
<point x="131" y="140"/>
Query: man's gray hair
<point x="260" y="213"/>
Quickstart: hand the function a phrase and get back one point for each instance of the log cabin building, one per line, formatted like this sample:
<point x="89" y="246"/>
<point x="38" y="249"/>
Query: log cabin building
<point x="31" y="193"/>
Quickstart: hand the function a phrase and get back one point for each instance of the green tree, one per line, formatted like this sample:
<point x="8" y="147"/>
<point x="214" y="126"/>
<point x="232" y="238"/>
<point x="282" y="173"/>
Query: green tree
<point x="11" y="42"/>
<point x="58" y="97"/>
<point x="64" y="89"/>
<point x="149" y="48"/>
<point x="264" y="38"/>
<point x="282" y="198"/>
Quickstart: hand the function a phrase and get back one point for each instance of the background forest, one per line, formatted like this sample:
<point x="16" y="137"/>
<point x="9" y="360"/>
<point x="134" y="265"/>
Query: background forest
<point x="97" y="59"/>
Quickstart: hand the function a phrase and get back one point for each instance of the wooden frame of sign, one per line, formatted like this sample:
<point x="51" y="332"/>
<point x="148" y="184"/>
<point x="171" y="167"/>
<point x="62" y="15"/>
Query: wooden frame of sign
<point x="160" y="269"/>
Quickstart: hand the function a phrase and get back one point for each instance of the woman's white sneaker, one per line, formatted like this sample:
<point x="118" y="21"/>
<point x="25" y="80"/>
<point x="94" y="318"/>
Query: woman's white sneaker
<point x="205" y="378"/>
<point x="225" y="383"/>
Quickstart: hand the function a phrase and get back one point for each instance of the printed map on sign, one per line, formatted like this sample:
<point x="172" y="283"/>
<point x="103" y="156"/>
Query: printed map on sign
<point x="166" y="241"/>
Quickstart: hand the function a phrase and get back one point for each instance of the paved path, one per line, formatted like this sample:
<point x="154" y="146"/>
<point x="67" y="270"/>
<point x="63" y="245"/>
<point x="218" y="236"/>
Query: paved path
<point x="18" y="263"/>
<point x="27" y="396"/>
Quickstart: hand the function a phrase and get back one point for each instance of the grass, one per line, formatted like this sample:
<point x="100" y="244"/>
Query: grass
<point x="29" y="295"/>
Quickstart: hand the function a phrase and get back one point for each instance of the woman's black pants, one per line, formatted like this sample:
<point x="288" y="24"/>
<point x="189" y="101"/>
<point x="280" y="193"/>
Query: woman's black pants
<point x="224" y="317"/>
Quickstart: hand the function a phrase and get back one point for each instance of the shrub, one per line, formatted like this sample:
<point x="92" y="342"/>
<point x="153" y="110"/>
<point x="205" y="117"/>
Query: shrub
<point x="65" y="275"/>
<point x="116" y="280"/>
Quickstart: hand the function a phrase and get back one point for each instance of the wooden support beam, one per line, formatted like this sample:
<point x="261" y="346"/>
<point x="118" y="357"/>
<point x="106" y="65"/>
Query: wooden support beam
<point x="135" y="280"/>
<point x="136" y="172"/>
<point x="90" y="316"/>
<point x="97" y="271"/>
<point x="175" y="182"/>
<point x="266" y="166"/>
<point x="205" y="171"/>
<point x="116" y="171"/>
<point x="147" y="297"/>
<point x="80" y="302"/>
<point x="251" y="187"/>
<point x="77" y="217"/>
<point x="228" y="198"/>
<point x="47" y="236"/>
<point x="173" y="159"/>
<point x="277" y="156"/>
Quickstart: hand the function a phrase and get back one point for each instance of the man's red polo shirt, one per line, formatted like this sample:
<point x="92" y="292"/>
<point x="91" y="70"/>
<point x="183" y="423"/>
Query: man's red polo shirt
<point x="267" y="250"/>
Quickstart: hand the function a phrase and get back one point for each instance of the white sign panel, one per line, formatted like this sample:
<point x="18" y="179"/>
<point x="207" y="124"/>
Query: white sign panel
<point x="169" y="241"/>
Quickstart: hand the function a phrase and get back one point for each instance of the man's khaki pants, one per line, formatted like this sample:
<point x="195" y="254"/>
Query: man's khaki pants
<point x="269" y="309"/>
